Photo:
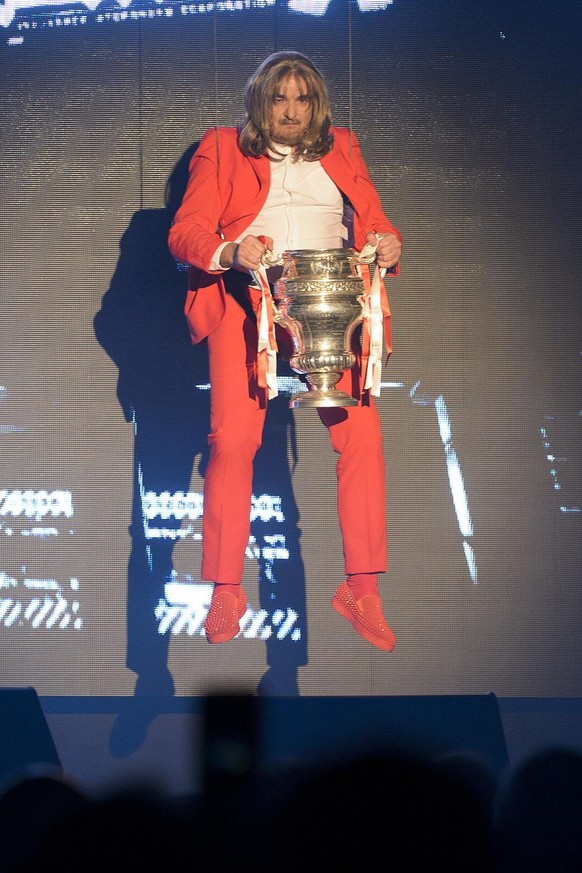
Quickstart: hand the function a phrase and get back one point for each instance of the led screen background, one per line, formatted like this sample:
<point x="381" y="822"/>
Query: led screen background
<point x="465" y="117"/>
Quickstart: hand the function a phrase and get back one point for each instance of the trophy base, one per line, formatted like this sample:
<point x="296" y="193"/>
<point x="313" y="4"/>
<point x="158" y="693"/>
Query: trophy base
<point x="317" y="397"/>
<point x="321" y="390"/>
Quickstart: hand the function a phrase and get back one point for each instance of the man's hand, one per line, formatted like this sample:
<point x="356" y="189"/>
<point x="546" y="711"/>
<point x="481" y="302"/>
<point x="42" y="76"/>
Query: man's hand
<point x="388" y="250"/>
<point x="245" y="255"/>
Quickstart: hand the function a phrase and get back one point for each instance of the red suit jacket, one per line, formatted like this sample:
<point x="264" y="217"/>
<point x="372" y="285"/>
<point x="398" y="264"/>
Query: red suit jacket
<point x="226" y="191"/>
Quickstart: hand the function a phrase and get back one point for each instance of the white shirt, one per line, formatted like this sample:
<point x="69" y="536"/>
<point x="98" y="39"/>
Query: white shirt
<point x="303" y="210"/>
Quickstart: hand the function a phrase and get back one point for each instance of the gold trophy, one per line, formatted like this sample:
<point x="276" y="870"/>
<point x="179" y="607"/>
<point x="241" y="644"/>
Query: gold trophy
<point x="320" y="302"/>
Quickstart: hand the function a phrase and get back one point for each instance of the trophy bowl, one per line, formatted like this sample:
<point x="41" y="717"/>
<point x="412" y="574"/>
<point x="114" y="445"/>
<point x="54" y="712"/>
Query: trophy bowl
<point x="319" y="299"/>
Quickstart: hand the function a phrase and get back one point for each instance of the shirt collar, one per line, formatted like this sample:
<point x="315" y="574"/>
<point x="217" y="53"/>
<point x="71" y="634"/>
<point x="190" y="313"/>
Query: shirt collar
<point x="285" y="150"/>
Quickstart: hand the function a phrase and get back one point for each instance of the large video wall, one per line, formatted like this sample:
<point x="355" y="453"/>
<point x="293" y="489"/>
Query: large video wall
<point x="465" y="113"/>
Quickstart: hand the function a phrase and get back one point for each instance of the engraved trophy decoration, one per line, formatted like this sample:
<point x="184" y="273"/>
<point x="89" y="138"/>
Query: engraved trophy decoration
<point x="320" y="301"/>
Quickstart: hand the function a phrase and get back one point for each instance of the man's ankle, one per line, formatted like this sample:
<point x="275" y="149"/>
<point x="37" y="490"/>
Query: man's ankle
<point x="362" y="584"/>
<point x="226" y="586"/>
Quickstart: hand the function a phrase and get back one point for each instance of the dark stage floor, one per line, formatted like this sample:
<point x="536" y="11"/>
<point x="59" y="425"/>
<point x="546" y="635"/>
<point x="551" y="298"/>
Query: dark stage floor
<point x="105" y="742"/>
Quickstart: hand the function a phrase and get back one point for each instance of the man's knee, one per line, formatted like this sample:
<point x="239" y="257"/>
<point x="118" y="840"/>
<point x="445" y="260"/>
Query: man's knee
<point x="234" y="442"/>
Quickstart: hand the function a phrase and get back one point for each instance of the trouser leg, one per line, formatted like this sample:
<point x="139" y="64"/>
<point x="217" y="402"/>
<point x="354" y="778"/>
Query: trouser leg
<point x="237" y="415"/>
<point x="356" y="436"/>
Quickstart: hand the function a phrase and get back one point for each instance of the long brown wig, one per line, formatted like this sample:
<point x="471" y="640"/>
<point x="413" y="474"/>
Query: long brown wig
<point x="259" y="94"/>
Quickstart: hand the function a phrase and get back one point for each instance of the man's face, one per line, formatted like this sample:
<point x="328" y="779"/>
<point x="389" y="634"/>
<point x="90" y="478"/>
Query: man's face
<point x="290" y="112"/>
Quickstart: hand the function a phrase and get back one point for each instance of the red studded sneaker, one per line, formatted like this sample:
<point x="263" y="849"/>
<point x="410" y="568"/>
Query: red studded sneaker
<point x="366" y="616"/>
<point x="226" y="610"/>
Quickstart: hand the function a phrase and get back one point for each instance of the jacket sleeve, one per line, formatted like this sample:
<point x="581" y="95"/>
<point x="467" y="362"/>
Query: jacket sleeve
<point x="194" y="235"/>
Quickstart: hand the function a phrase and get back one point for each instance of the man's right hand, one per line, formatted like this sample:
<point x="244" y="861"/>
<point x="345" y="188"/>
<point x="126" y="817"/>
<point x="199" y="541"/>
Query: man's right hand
<point x="245" y="255"/>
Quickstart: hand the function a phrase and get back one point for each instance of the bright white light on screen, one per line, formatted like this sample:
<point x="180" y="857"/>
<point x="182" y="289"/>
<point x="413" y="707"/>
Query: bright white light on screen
<point x="56" y="14"/>
<point x="319" y="7"/>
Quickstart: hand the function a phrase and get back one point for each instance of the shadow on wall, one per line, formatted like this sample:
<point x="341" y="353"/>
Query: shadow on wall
<point x="162" y="389"/>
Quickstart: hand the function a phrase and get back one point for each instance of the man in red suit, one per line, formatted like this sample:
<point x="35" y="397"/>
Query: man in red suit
<point x="285" y="179"/>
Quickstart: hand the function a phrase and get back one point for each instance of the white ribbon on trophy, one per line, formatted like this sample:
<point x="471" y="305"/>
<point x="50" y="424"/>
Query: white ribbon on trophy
<point x="375" y="317"/>
<point x="267" y="347"/>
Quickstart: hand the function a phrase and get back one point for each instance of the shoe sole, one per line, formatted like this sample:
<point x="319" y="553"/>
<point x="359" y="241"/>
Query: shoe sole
<point x="362" y="631"/>
<point x="223" y="637"/>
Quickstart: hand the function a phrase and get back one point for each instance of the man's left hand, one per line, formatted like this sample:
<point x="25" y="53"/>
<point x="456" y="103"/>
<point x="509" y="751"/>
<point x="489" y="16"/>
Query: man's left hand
<point x="388" y="248"/>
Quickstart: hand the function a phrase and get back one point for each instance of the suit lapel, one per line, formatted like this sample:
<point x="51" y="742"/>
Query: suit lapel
<point x="339" y="169"/>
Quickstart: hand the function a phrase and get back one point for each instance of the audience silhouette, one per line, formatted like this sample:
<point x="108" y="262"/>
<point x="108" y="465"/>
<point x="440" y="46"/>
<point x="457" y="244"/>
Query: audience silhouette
<point x="538" y="815"/>
<point x="34" y="804"/>
<point x="448" y="811"/>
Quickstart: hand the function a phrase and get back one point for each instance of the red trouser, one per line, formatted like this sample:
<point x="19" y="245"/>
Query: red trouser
<point x="238" y="409"/>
